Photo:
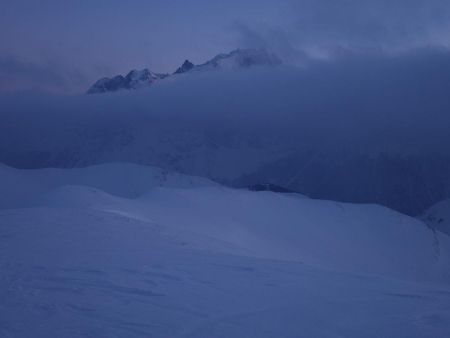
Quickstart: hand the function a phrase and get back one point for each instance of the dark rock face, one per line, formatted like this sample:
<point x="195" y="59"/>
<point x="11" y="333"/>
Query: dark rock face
<point x="185" y="67"/>
<point x="133" y="80"/>
<point x="107" y="85"/>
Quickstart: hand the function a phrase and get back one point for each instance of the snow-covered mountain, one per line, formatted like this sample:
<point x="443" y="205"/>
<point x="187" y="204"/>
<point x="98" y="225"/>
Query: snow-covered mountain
<point x="237" y="59"/>
<point x="276" y="125"/>
<point x="121" y="250"/>
<point x="133" y="80"/>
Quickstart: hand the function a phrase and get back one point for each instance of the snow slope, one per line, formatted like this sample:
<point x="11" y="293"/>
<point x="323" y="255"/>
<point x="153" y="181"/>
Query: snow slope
<point x="121" y="250"/>
<point x="356" y="238"/>
<point x="20" y="187"/>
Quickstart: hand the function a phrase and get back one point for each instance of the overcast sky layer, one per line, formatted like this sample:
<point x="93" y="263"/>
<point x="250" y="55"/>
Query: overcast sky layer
<point x="63" y="46"/>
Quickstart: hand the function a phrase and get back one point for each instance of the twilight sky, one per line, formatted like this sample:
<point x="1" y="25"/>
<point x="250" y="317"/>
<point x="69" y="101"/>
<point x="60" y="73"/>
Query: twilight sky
<point x="63" y="46"/>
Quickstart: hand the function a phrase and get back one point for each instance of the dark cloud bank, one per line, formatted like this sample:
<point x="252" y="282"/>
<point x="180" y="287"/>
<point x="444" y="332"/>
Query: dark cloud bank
<point x="362" y="127"/>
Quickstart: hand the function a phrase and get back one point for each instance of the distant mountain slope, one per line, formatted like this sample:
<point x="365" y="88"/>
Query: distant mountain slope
<point x="237" y="59"/>
<point x="409" y="184"/>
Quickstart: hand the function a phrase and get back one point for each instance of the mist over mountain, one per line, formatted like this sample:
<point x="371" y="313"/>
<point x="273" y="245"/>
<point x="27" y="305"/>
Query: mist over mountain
<point x="217" y="169"/>
<point x="368" y="128"/>
<point x="235" y="60"/>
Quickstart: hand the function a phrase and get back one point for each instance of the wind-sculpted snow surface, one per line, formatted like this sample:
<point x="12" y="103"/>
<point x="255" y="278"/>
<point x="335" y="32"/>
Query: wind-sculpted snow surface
<point x="121" y="250"/>
<point x="23" y="187"/>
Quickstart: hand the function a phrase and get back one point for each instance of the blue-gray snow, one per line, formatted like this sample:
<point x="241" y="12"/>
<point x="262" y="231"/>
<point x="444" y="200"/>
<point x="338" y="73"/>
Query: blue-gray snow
<point x="122" y="250"/>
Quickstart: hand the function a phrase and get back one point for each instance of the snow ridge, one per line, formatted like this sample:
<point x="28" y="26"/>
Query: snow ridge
<point x="235" y="60"/>
<point x="121" y="250"/>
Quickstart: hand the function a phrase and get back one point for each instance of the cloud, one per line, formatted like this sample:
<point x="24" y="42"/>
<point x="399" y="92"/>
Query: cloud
<point x="361" y="126"/>
<point x="298" y="30"/>
<point x="372" y="22"/>
<point x="274" y="39"/>
<point x="19" y="75"/>
<point x="354" y="96"/>
<point x="320" y="28"/>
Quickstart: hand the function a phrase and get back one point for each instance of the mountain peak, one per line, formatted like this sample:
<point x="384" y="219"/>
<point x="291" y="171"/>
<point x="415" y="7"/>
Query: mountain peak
<point x="235" y="60"/>
<point x="133" y="80"/>
<point x="185" y="67"/>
